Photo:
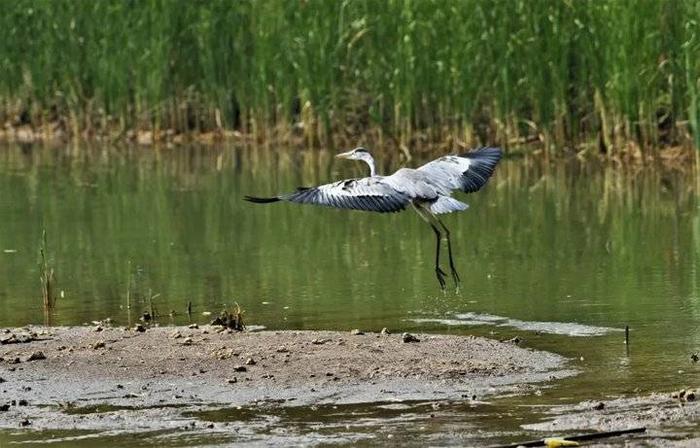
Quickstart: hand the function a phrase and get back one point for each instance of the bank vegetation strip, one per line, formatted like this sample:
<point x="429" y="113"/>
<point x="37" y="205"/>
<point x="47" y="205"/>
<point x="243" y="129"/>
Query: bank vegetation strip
<point x="607" y="75"/>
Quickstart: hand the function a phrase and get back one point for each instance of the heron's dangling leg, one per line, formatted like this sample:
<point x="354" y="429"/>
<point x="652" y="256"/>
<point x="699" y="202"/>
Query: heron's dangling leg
<point x="455" y="275"/>
<point x="426" y="216"/>
<point x="438" y="272"/>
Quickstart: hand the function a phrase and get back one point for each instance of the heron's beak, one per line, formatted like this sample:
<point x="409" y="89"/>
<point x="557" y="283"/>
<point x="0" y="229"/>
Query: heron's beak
<point x="344" y="155"/>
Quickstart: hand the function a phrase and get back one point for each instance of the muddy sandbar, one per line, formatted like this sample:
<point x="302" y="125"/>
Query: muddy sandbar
<point x="50" y="373"/>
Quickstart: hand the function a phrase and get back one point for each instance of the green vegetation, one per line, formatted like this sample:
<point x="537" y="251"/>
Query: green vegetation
<point x="605" y="73"/>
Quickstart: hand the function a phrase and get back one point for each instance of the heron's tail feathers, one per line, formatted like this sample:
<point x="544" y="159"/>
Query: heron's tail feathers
<point x="261" y="200"/>
<point x="446" y="204"/>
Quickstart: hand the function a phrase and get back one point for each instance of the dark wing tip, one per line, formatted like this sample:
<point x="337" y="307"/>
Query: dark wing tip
<point x="484" y="161"/>
<point x="486" y="153"/>
<point x="260" y="200"/>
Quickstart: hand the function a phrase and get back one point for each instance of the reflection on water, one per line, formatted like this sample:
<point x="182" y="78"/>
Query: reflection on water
<point x="560" y="243"/>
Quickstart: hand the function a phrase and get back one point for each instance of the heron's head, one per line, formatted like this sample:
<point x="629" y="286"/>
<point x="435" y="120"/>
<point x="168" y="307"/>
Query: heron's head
<point x="359" y="153"/>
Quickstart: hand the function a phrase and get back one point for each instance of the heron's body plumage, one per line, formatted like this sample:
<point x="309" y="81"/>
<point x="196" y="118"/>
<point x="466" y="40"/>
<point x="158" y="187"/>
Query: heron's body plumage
<point x="432" y="183"/>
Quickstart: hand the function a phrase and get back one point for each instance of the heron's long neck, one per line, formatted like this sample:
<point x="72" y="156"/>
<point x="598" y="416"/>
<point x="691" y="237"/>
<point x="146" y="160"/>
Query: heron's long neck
<point x="370" y="161"/>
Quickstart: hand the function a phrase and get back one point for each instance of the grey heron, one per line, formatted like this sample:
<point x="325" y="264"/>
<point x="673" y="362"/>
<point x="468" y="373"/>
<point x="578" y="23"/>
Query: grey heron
<point x="427" y="189"/>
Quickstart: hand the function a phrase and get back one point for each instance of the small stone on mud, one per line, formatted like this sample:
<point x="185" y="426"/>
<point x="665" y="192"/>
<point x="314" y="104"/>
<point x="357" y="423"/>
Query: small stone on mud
<point x="250" y="362"/>
<point x="223" y="354"/>
<point x="408" y="337"/>
<point x="25" y="422"/>
<point x="140" y="328"/>
<point x="695" y="357"/>
<point x="175" y="335"/>
<point x="239" y="368"/>
<point x="98" y="344"/>
<point x="187" y="341"/>
<point x="98" y="328"/>
<point x="599" y="407"/>
<point x="356" y="332"/>
<point x="322" y="341"/>
<point x="22" y="403"/>
<point x="4" y="407"/>
<point x="36" y="356"/>
<point x="385" y="331"/>
<point x="680" y="394"/>
<point x="193" y="326"/>
<point x="232" y="380"/>
<point x="2" y="380"/>
<point x="284" y="349"/>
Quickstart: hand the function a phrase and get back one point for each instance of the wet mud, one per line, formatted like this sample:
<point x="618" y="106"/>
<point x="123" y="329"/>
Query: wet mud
<point x="211" y="385"/>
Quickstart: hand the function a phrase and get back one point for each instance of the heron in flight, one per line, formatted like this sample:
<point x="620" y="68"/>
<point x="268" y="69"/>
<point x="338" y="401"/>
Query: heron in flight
<point x="427" y="189"/>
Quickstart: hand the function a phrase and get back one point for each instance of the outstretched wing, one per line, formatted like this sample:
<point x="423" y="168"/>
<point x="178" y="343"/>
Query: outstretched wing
<point x="369" y="194"/>
<point x="467" y="172"/>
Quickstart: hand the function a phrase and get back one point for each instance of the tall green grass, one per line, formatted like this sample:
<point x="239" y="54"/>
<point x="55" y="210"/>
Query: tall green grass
<point x="605" y="72"/>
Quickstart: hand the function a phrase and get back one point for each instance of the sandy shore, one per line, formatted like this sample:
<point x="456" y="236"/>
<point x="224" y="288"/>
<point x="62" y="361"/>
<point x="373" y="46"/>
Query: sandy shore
<point x="49" y="370"/>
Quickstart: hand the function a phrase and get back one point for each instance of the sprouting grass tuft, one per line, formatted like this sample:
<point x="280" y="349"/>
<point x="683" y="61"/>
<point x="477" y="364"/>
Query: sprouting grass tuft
<point x="46" y="276"/>
<point x="232" y="319"/>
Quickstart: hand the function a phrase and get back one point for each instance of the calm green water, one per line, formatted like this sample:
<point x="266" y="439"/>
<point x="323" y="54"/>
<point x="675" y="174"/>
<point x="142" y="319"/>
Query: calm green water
<point x="561" y="243"/>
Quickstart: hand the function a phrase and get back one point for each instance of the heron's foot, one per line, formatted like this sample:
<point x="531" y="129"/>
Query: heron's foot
<point x="455" y="276"/>
<point x="440" y="274"/>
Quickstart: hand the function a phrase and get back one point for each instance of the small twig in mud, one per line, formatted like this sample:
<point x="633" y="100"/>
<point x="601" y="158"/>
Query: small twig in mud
<point x="47" y="276"/>
<point x="128" y="285"/>
<point x="232" y="320"/>
<point x="576" y="438"/>
<point x="151" y="306"/>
